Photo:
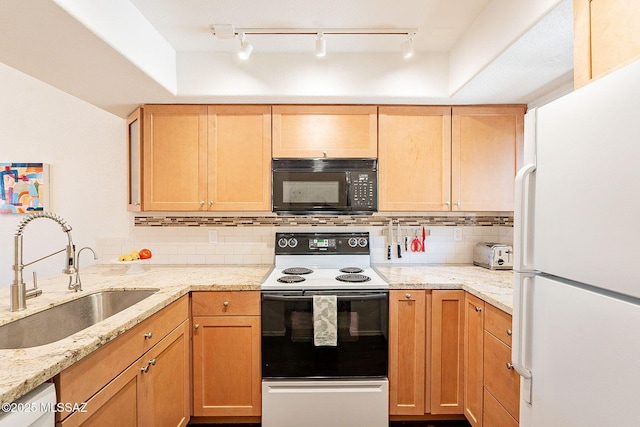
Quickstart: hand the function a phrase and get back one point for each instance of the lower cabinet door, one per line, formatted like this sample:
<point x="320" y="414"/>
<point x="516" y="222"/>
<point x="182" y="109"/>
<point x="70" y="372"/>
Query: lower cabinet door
<point x="166" y="382"/>
<point x="226" y="366"/>
<point x="407" y="309"/>
<point x="115" y="405"/>
<point x="447" y="355"/>
<point x="494" y="413"/>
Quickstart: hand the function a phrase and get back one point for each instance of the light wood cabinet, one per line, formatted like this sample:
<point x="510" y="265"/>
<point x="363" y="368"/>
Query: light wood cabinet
<point x="449" y="159"/>
<point x="226" y="354"/>
<point x="407" y="351"/>
<point x="501" y="381"/>
<point x="125" y="386"/>
<point x="199" y="158"/>
<point x="486" y="148"/>
<point x="134" y="170"/>
<point x="315" y="131"/>
<point x="174" y="157"/>
<point x="606" y="37"/>
<point x="239" y="158"/>
<point x="447" y="355"/>
<point x="414" y="159"/>
<point x="473" y="359"/>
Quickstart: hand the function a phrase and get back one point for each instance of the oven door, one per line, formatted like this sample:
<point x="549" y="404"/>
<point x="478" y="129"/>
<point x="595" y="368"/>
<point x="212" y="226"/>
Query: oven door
<point x="288" y="350"/>
<point x="301" y="192"/>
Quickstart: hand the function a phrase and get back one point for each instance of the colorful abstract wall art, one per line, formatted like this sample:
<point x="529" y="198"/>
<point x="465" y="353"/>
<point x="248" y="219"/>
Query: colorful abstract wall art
<point x="23" y="187"/>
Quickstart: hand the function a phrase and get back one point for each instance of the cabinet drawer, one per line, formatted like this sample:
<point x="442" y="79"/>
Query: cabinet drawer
<point x="82" y="380"/>
<point x="231" y="303"/>
<point x="494" y="413"/>
<point x="500" y="379"/>
<point x="498" y="323"/>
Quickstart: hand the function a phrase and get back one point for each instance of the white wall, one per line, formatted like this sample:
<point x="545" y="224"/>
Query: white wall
<point x="85" y="147"/>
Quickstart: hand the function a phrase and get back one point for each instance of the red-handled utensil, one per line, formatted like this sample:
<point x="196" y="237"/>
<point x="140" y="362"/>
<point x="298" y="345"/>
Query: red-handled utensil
<point x="415" y="243"/>
<point x="423" y="237"/>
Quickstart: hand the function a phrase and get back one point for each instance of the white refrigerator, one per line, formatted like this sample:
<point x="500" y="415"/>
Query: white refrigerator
<point x="577" y="258"/>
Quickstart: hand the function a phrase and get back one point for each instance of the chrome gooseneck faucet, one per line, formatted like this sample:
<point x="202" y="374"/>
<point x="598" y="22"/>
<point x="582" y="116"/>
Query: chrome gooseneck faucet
<point x="77" y="285"/>
<point x="18" y="290"/>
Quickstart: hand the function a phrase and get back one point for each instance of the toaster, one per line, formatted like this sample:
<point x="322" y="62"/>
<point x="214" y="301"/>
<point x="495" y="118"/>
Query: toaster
<point x="494" y="256"/>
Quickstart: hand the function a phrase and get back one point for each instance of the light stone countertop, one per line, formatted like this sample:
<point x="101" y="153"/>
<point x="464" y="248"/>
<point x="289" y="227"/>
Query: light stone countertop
<point x="494" y="287"/>
<point x="24" y="369"/>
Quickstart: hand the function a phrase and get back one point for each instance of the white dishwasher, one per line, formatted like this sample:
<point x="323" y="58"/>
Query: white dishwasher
<point x="35" y="409"/>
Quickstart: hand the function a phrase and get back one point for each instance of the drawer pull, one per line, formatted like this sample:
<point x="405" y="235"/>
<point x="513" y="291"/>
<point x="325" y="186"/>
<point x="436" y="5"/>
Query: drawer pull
<point x="509" y="332"/>
<point x="148" y="335"/>
<point x="509" y="365"/>
<point x="478" y="309"/>
<point x="152" y="362"/>
<point x="145" y="369"/>
<point x="407" y="296"/>
<point x="196" y="326"/>
<point x="226" y="303"/>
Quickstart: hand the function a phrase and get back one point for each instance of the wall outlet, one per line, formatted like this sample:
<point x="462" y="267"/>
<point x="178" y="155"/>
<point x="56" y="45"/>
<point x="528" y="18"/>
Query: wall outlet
<point x="213" y="236"/>
<point x="457" y="234"/>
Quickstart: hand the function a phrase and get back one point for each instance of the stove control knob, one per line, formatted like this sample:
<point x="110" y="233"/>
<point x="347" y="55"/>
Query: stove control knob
<point x="282" y="242"/>
<point x="362" y="242"/>
<point x="353" y="242"/>
<point x="293" y="242"/>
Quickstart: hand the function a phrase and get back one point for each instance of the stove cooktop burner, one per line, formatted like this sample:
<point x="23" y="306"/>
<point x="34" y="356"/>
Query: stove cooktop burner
<point x="351" y="270"/>
<point x="297" y="270"/>
<point x="353" y="278"/>
<point x="290" y="279"/>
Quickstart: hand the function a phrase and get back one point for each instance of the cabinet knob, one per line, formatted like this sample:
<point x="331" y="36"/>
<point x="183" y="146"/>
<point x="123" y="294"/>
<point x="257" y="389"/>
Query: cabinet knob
<point x="225" y="304"/>
<point x="145" y="369"/>
<point x="458" y="204"/>
<point x="196" y="326"/>
<point x="201" y="202"/>
<point x="478" y="309"/>
<point x="324" y="154"/>
<point x="210" y="202"/>
<point x="448" y="203"/>
<point x="509" y="332"/>
<point x="148" y="335"/>
<point x="407" y="296"/>
<point x="136" y="204"/>
<point x="509" y="365"/>
<point x="152" y="362"/>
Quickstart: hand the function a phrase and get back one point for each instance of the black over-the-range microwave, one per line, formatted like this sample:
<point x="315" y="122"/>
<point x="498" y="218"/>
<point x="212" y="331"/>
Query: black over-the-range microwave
<point x="329" y="186"/>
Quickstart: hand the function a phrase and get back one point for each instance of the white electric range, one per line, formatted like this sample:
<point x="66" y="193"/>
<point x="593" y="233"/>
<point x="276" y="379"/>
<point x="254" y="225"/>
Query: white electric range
<point x="317" y="386"/>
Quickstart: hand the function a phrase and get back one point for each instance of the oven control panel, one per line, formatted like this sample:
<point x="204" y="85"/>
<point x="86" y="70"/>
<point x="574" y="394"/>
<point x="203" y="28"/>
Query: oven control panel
<point x="321" y="243"/>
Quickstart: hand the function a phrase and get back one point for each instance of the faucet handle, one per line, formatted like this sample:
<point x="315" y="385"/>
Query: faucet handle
<point x="33" y="292"/>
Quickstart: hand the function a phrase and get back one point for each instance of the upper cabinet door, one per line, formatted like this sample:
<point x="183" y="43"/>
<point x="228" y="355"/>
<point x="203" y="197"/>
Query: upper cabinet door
<point x="308" y="131"/>
<point x="486" y="150"/>
<point x="175" y="161"/>
<point x="414" y="161"/>
<point x="239" y="158"/>
<point x="134" y="139"/>
<point x="606" y="37"/>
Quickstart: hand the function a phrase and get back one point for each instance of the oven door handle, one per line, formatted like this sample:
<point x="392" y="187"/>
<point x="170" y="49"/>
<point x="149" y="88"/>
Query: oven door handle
<point x="341" y="297"/>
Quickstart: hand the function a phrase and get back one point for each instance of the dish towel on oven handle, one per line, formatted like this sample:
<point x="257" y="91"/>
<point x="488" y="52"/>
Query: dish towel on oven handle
<point x="325" y="320"/>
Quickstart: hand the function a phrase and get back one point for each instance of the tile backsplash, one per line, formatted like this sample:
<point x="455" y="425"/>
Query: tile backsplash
<point x="242" y="240"/>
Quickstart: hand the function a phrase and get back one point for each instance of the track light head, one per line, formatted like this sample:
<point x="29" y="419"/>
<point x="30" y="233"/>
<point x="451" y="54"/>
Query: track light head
<point x="245" y="48"/>
<point x="321" y="46"/>
<point x="407" y="47"/>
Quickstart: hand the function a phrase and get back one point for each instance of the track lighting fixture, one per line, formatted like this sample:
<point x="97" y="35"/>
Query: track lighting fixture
<point x="407" y="47"/>
<point x="245" y="48"/>
<point x="227" y="31"/>
<point x="321" y="45"/>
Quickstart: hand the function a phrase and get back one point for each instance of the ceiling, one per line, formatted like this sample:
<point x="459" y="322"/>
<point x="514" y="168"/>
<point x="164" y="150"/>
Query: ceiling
<point x="440" y="23"/>
<point x="118" y="54"/>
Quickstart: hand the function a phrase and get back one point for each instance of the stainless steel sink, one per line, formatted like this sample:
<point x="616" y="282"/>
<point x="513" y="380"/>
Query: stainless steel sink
<point x="63" y="320"/>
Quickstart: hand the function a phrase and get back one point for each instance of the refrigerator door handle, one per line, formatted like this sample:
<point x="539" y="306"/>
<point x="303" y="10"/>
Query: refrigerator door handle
<point x="521" y="218"/>
<point x="521" y="330"/>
